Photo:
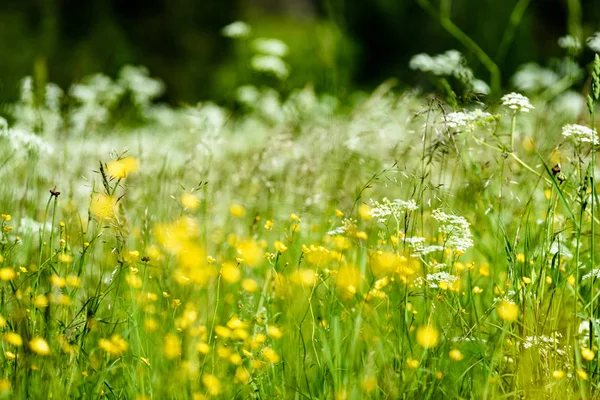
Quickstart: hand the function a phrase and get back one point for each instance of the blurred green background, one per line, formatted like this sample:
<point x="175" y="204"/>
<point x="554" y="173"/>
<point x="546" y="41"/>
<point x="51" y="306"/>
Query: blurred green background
<point x="337" y="45"/>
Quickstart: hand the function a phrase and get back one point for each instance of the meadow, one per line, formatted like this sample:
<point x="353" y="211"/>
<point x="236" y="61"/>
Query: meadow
<point x="402" y="245"/>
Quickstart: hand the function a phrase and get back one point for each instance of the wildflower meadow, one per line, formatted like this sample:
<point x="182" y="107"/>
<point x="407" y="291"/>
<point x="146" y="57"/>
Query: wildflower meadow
<point x="403" y="244"/>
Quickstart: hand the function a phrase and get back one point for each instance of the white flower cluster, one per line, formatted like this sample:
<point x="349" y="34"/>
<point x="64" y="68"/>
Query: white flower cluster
<point x="142" y="87"/>
<point x="416" y="243"/>
<point x="595" y="274"/>
<point x="569" y="42"/>
<point x="386" y="209"/>
<point x="455" y="230"/>
<point x="430" y="249"/>
<point x="593" y="42"/>
<point x="580" y="133"/>
<point x="530" y="341"/>
<point x="23" y="140"/>
<point x="269" y="46"/>
<point x="236" y="30"/>
<point x="450" y="63"/>
<point x="435" y="279"/>
<point x="270" y="64"/>
<point x="467" y="119"/>
<point x="517" y="102"/>
<point x="348" y="225"/>
<point x="532" y="77"/>
<point x="269" y="57"/>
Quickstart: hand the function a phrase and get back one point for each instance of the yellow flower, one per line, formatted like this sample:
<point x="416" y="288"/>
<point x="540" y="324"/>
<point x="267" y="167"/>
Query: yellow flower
<point x="339" y="213"/>
<point x="230" y="272"/>
<point x="477" y="290"/>
<point x="241" y="375"/>
<point x="558" y="374"/>
<point x="368" y="384"/>
<point x="172" y="346"/>
<point x="7" y="274"/>
<point x="507" y="310"/>
<point x="13" y="339"/>
<point x="520" y="257"/>
<point x="365" y="212"/>
<point x="212" y="383"/>
<point x="40" y="301"/>
<point x="587" y="354"/>
<point x="121" y="168"/>
<point x="279" y="246"/>
<point x="582" y="374"/>
<point x="526" y="280"/>
<point x="65" y="258"/>
<point x="269" y="224"/>
<point x="237" y="210"/>
<point x="270" y="355"/>
<point x="115" y="346"/>
<point x="39" y="346"/>
<point x="456" y="355"/>
<point x="427" y="336"/>
<point x="103" y="206"/>
<point x="4" y="385"/>
<point x="412" y="363"/>
<point x="249" y="285"/>
<point x="190" y="201"/>
<point x="295" y="217"/>
<point x="274" y="332"/>
<point x="362" y="235"/>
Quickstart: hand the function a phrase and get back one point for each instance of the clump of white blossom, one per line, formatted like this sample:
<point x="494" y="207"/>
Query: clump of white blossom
<point x="580" y="133"/>
<point x="451" y="63"/>
<point x="569" y="42"/>
<point x="271" y="65"/>
<point x="455" y="230"/>
<point x="532" y="77"/>
<point x="386" y="209"/>
<point x="270" y="46"/>
<point x="348" y="225"/>
<point x="416" y="243"/>
<point x="517" y="102"/>
<point x="236" y="30"/>
<point x="433" y="280"/>
<point x="593" y="42"/>
<point x="468" y="119"/>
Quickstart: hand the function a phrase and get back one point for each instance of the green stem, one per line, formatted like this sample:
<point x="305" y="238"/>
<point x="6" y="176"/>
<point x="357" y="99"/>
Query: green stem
<point x="464" y="39"/>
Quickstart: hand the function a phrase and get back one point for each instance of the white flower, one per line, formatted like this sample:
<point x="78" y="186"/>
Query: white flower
<point x="271" y="47"/>
<point x="593" y="42"/>
<point x="569" y="42"/>
<point x="455" y="230"/>
<point x="467" y="119"/>
<point x="580" y="133"/>
<point x="236" y="30"/>
<point x="382" y="211"/>
<point x="532" y="77"/>
<point x="517" y="102"/>
<point x="435" y="279"/>
<point x="595" y="274"/>
<point x="441" y="64"/>
<point x="270" y="64"/>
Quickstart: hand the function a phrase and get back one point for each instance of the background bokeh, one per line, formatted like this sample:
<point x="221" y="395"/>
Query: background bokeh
<point x="338" y="45"/>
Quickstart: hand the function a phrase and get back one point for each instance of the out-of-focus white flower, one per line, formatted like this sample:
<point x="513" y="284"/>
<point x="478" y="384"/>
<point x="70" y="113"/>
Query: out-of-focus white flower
<point x="441" y="64"/>
<point x="271" y="47"/>
<point x="517" y="102"/>
<point x="481" y="87"/>
<point x="270" y="64"/>
<point x="532" y="77"/>
<point x="569" y="42"/>
<point x="20" y="140"/>
<point x="236" y="30"/>
<point x="593" y="42"/>
<point x="467" y="120"/>
<point x="248" y="95"/>
<point x="580" y="133"/>
<point x="570" y="103"/>
<point x="143" y="88"/>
